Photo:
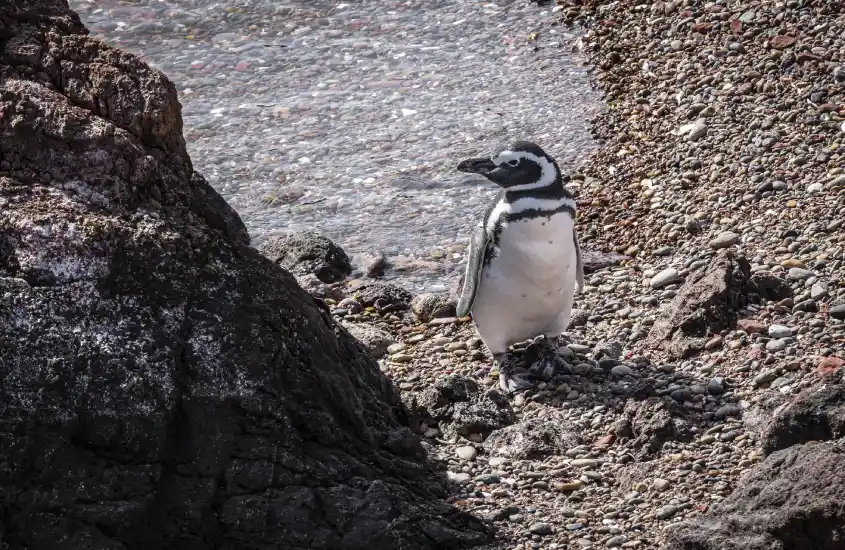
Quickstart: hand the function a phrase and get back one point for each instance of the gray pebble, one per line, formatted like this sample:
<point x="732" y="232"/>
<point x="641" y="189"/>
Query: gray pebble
<point x="540" y="529"/>
<point x="667" y="511"/>
<point x="665" y="278"/>
<point x="724" y="240"/>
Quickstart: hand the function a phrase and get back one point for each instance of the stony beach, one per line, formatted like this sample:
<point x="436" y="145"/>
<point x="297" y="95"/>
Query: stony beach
<point x="704" y="364"/>
<point x="723" y="139"/>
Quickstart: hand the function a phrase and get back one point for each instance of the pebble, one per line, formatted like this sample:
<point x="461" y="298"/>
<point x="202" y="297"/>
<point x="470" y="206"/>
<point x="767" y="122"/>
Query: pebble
<point x="621" y="370"/>
<point x="818" y="291"/>
<point x="466" y="452"/>
<point x="665" y="278"/>
<point x="540" y="529"/>
<point x="667" y="511"/>
<point x="716" y="386"/>
<point x="458" y="477"/>
<point x="780" y="331"/>
<point x="776" y="345"/>
<point x="568" y="486"/>
<point x="838" y="312"/>
<point x="584" y="463"/>
<point x="615" y="542"/>
<point x="724" y="240"/>
<point x="698" y="130"/>
<point x="661" y="484"/>
<point x="396" y="348"/>
<point x="799" y="274"/>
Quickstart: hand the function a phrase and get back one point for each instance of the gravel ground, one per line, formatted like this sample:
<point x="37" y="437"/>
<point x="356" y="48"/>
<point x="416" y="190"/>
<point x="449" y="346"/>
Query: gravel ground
<point x="349" y="118"/>
<point x="725" y="130"/>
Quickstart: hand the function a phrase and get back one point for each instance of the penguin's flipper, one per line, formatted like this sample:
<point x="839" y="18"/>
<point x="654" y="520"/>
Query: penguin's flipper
<point x="472" y="276"/>
<point x="579" y="266"/>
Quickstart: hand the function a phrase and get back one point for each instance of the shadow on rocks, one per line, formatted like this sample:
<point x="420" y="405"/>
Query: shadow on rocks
<point x="793" y="499"/>
<point x="459" y="407"/>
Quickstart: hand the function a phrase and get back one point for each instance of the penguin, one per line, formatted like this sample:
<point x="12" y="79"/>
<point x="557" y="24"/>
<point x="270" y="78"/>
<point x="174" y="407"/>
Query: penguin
<point x="524" y="260"/>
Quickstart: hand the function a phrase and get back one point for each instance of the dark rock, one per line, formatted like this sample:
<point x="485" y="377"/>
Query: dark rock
<point x="382" y="295"/>
<point x="758" y="416"/>
<point x="163" y="385"/>
<point x="374" y="265"/>
<point x="533" y="439"/>
<point x="815" y="414"/>
<point x="716" y="386"/>
<point x="432" y="306"/>
<point x="792" y="500"/>
<point x="374" y="340"/>
<point x="307" y="252"/>
<point x="653" y="422"/>
<point x="706" y="303"/>
<point x="317" y="288"/>
<point x="460" y="407"/>
<point x="769" y="287"/>
<point x="593" y="260"/>
<point x="838" y="312"/>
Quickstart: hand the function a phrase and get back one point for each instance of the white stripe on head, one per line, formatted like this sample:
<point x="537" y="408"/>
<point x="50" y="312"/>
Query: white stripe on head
<point x="548" y="172"/>
<point x="521" y="205"/>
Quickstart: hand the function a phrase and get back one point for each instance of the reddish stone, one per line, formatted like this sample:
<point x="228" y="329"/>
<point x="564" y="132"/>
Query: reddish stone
<point x="701" y="27"/>
<point x="782" y="41"/>
<point x="751" y="326"/>
<point x="756" y="353"/>
<point x="605" y="441"/>
<point x="736" y="26"/>
<point x="828" y="365"/>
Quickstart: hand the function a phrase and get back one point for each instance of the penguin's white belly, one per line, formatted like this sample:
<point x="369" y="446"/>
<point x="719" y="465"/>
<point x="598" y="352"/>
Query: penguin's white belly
<point x="529" y="285"/>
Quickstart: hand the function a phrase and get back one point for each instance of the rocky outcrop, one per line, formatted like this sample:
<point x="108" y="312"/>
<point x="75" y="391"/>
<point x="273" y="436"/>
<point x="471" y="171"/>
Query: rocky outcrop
<point x="459" y="407"/>
<point x="707" y="303"/>
<point x="793" y="500"/>
<point x="816" y="414"/>
<point x="163" y="385"/>
<point x="308" y="253"/>
<point x="534" y="438"/>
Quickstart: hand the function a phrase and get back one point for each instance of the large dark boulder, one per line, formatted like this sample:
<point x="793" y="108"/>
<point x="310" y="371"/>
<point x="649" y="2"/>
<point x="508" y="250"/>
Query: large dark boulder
<point x="791" y="501"/>
<point x="162" y="384"/>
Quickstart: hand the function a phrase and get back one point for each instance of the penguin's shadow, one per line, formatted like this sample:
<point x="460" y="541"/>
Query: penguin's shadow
<point x="635" y="388"/>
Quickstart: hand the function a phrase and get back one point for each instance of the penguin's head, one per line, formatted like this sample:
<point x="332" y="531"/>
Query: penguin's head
<point x="521" y="166"/>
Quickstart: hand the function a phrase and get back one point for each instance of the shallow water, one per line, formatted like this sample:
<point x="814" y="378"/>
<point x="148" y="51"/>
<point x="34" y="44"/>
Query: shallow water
<point x="350" y="118"/>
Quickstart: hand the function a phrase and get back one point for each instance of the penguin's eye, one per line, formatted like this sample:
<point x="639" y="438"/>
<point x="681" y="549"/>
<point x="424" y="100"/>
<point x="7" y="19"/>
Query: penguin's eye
<point x="514" y="162"/>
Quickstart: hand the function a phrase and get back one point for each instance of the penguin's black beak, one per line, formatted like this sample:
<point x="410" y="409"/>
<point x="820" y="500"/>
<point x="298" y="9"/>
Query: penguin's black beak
<point x="481" y="166"/>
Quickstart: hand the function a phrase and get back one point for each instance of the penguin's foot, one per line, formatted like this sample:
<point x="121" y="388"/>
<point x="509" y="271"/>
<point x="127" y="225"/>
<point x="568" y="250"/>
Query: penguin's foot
<point x="509" y="381"/>
<point x="548" y="363"/>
